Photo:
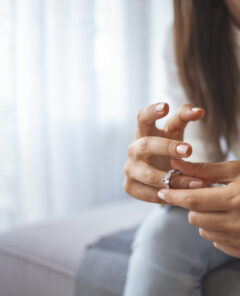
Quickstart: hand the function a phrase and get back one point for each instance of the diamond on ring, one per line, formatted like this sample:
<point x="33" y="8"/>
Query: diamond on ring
<point x="167" y="178"/>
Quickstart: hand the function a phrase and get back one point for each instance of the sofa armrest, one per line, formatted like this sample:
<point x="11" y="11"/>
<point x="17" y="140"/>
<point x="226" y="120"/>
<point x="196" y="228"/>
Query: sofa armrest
<point x="42" y="259"/>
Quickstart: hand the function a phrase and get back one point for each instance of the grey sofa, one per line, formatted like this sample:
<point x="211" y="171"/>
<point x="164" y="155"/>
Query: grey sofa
<point x="43" y="259"/>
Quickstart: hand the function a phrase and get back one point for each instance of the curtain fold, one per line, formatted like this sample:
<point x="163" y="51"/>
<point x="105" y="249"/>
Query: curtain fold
<point x="76" y="73"/>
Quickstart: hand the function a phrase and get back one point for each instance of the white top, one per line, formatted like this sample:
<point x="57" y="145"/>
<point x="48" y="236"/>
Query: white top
<point x="174" y="94"/>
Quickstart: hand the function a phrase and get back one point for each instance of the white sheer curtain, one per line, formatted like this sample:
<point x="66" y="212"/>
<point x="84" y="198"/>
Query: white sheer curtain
<point x="73" y="75"/>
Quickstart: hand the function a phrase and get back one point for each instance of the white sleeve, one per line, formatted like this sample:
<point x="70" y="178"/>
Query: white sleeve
<point x="173" y="93"/>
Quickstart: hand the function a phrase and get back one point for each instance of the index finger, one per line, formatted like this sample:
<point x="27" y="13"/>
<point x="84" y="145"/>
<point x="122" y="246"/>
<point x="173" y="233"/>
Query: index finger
<point x="148" y="115"/>
<point x="214" y="172"/>
<point x="184" y="114"/>
<point x="202" y="200"/>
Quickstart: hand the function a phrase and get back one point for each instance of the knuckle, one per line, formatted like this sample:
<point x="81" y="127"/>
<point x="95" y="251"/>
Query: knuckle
<point x="233" y="188"/>
<point x="131" y="150"/>
<point x="235" y="203"/>
<point x="132" y="189"/>
<point x="149" y="177"/>
<point x="187" y="106"/>
<point x="168" y="145"/>
<point x="126" y="185"/>
<point x="192" y="204"/>
<point x="206" y="235"/>
<point x="142" y="146"/>
<point x="182" y="109"/>
<point x="198" y="166"/>
<point x="126" y="169"/>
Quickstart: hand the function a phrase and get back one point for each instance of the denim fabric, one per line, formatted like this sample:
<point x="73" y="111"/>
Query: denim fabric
<point x="169" y="256"/>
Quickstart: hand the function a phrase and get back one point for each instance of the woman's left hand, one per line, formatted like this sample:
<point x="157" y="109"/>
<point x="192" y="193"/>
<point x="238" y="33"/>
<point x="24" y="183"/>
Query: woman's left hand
<point x="216" y="210"/>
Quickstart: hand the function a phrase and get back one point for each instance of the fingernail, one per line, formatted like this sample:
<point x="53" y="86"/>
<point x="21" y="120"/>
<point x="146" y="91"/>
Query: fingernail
<point x="160" y="107"/>
<point x="182" y="149"/>
<point x="195" y="184"/>
<point x="195" y="109"/>
<point x="161" y="195"/>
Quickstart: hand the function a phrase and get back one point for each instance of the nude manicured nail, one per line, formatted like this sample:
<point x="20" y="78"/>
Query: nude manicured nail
<point x="160" y="107"/>
<point x="195" y="109"/>
<point x="161" y="195"/>
<point x="195" y="184"/>
<point x="182" y="149"/>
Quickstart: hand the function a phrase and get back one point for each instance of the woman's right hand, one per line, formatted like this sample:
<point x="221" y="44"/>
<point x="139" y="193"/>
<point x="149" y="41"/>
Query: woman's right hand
<point x="149" y="154"/>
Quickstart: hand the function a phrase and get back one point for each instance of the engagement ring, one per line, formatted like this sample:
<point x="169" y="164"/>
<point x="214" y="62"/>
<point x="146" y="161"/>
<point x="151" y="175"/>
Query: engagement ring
<point x="167" y="178"/>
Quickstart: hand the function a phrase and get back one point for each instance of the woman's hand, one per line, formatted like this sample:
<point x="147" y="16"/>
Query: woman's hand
<point x="149" y="154"/>
<point x="215" y="211"/>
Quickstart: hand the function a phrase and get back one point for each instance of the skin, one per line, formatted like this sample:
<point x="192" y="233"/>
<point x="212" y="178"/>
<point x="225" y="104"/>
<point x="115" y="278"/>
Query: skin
<point x="149" y="154"/>
<point x="215" y="211"/>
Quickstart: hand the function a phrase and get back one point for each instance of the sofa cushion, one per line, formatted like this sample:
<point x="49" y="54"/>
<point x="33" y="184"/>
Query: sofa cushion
<point x="42" y="259"/>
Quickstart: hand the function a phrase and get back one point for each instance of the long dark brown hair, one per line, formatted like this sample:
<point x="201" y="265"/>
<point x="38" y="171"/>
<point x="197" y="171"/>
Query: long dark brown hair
<point x="207" y="63"/>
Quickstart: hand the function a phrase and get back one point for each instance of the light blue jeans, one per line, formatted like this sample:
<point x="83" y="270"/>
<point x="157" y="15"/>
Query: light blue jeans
<point x="169" y="257"/>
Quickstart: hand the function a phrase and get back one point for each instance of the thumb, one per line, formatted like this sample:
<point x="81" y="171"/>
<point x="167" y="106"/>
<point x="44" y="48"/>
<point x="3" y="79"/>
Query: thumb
<point x="214" y="172"/>
<point x="175" y="125"/>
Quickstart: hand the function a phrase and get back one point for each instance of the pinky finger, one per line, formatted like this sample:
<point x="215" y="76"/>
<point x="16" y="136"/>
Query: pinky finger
<point x="234" y="252"/>
<point x="141" y="191"/>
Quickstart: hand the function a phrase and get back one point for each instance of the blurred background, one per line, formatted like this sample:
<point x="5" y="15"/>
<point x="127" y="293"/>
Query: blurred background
<point x="73" y="75"/>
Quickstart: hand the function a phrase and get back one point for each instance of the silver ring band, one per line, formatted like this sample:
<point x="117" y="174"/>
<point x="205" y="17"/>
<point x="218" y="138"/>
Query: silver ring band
<point x="167" y="178"/>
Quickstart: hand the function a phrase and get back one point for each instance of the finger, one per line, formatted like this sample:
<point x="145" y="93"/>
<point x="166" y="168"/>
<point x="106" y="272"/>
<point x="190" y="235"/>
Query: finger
<point x="177" y="123"/>
<point x="148" y="115"/>
<point x="215" y="172"/>
<point x="141" y="191"/>
<point x="147" y="146"/>
<point x="234" y="252"/>
<point x="202" y="200"/>
<point x="148" y="175"/>
<point x="220" y="237"/>
<point x="218" y="221"/>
